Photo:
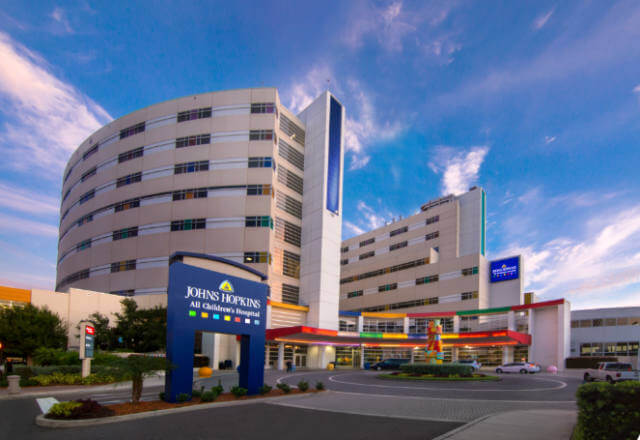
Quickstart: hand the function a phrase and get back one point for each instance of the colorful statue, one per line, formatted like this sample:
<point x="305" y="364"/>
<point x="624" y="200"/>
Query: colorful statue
<point x="433" y="350"/>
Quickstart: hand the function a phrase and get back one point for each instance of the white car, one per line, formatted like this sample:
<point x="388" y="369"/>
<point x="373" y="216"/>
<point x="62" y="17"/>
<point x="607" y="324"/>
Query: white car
<point x="471" y="362"/>
<point x="518" y="367"/>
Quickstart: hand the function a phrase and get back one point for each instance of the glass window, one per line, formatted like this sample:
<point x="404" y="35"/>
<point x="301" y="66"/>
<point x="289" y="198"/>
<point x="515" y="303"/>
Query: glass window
<point x="575" y="324"/>
<point x="585" y="323"/>
<point x="597" y="322"/>
<point x="609" y="322"/>
<point x="621" y="349"/>
<point x="623" y="321"/>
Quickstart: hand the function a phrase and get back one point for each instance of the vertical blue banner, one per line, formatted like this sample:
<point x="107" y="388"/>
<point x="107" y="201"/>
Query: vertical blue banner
<point x="335" y="149"/>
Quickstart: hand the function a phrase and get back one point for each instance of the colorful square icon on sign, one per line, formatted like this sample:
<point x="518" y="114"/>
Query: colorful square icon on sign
<point x="227" y="318"/>
<point x="216" y="316"/>
<point x="247" y="321"/>
<point x="237" y="319"/>
<point x="256" y="321"/>
<point x="192" y="313"/>
<point x="205" y="315"/>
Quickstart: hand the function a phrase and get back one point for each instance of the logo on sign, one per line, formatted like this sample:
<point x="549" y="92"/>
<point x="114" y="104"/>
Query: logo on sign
<point x="504" y="270"/>
<point x="226" y="286"/>
<point x="90" y="330"/>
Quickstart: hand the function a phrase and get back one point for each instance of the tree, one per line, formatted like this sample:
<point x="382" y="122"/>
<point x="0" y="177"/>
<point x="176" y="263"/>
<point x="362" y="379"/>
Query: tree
<point x="25" y="329"/>
<point x="141" y="330"/>
<point x="104" y="337"/>
<point x="138" y="367"/>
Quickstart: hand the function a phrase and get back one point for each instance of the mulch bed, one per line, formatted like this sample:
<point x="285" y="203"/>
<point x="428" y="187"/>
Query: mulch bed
<point x="154" y="405"/>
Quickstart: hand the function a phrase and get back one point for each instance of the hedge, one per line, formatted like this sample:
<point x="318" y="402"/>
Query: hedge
<point x="588" y="362"/>
<point x="442" y="370"/>
<point x="608" y="412"/>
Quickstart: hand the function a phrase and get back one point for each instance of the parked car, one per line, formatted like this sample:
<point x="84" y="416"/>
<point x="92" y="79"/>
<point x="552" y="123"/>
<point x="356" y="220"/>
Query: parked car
<point x="611" y="372"/>
<point x="474" y="363"/>
<point x="518" y="367"/>
<point x="390" y="364"/>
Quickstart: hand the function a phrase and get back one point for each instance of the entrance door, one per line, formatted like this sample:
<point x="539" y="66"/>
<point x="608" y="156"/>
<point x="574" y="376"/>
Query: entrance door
<point x="300" y="360"/>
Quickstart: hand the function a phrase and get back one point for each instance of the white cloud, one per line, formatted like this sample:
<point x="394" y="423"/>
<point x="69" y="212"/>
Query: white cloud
<point x="602" y="259"/>
<point x="368" y="218"/>
<point x="353" y="228"/>
<point x="28" y="227"/>
<point x="459" y="169"/>
<point x="549" y="139"/>
<point x="636" y="89"/>
<point x="60" y="16"/>
<point x="390" y="25"/>
<point x="46" y="117"/>
<point x="542" y="20"/>
<point x="362" y="126"/>
<point x="27" y="201"/>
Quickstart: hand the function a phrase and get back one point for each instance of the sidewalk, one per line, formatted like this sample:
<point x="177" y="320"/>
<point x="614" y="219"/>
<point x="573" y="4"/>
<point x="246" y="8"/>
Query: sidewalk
<point x="534" y="424"/>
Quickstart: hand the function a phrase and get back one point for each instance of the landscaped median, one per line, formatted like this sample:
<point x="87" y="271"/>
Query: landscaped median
<point x="441" y="372"/>
<point x="89" y="413"/>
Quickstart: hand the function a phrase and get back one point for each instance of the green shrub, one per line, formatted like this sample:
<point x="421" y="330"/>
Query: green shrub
<point x="239" y="391"/>
<point x="442" y="370"/>
<point x="607" y="411"/>
<point x="62" y="410"/>
<point x="161" y="396"/>
<point x="102" y="358"/>
<point x="264" y="389"/>
<point x="218" y="389"/>
<point x="284" y="387"/>
<point x="208" y="396"/>
<point x="28" y="382"/>
<point x="23" y="371"/>
<point x="55" y="356"/>
<point x="319" y="386"/>
<point x="303" y="385"/>
<point x="197" y="393"/>
<point x="183" y="397"/>
<point x="3" y="382"/>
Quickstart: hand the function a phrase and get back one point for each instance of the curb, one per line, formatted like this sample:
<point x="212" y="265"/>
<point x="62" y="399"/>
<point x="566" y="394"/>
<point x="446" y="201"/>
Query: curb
<point x="464" y="427"/>
<point x="58" y="424"/>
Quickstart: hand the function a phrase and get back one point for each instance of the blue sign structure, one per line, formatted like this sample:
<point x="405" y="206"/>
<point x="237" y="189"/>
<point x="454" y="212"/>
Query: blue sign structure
<point x="201" y="299"/>
<point x="503" y="270"/>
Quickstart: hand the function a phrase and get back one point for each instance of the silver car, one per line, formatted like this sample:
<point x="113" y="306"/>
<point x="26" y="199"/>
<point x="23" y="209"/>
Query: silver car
<point x="518" y="367"/>
<point x="474" y="363"/>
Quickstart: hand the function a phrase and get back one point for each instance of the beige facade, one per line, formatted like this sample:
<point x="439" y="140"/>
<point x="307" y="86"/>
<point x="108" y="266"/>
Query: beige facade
<point x="416" y="264"/>
<point x="226" y="181"/>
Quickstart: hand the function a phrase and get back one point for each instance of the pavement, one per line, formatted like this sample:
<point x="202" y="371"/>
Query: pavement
<point x="520" y="406"/>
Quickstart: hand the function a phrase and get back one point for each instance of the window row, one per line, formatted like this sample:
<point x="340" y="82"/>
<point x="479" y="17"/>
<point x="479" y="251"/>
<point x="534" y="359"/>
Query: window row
<point x="365" y="242"/>
<point x="191" y="167"/>
<point x="387" y="287"/>
<point x="262" y="135"/>
<point x="128" y="180"/>
<point x="605" y="322"/>
<point x="195" y="193"/>
<point x="289" y="205"/>
<point x="134" y="129"/>
<point x="400" y="245"/>
<point x="288" y="232"/>
<point x="257" y="257"/>
<point x="469" y="271"/>
<point x="375" y="273"/>
<point x="427" y="280"/>
<point x="409" y="304"/>
<point x="122" y="266"/>
<point x="344" y="262"/>
<point x="191" y="115"/>
<point x="131" y="154"/>
<point x="291" y="155"/>
<point x="292" y="129"/>
<point x="261" y="162"/>
<point x="290" y="264"/>
<point x="355" y="293"/>
<point x="189" y="224"/>
<point x="263" y="107"/>
<point x="260" y="221"/>
<point x="125" y="233"/>
<point x="399" y="231"/>
<point x="290" y="294"/>
<point x="190" y="141"/>
<point x="609" y="349"/>
<point x="366" y="255"/>
<point x="432" y="235"/>
<point x="433" y="219"/>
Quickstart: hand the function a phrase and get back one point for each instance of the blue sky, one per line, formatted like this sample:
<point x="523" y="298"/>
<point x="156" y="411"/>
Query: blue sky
<point x="538" y="102"/>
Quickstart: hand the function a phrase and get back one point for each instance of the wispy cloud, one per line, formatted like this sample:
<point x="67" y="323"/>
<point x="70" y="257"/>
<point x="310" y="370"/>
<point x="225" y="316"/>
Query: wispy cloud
<point x="60" y="17"/>
<point x="25" y="226"/>
<point x="549" y="139"/>
<point x="542" y="20"/>
<point x="353" y="229"/>
<point x="363" y="127"/>
<point x="459" y="169"/>
<point x="636" y="89"/>
<point x="22" y="200"/>
<point x="369" y="218"/>
<point x="46" y="118"/>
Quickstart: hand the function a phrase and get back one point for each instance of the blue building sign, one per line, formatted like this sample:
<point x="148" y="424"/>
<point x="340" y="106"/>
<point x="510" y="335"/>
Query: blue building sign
<point x="503" y="270"/>
<point x="335" y="150"/>
<point x="201" y="299"/>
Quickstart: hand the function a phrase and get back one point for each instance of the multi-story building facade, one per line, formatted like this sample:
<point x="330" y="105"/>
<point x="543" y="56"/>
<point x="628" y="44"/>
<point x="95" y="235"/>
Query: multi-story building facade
<point x="606" y="332"/>
<point x="232" y="173"/>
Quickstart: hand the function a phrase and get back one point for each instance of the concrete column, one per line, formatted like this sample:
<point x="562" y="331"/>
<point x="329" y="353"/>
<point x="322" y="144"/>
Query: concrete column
<point x="362" y="357"/>
<point x="405" y="325"/>
<point x="237" y="354"/>
<point x="511" y="320"/>
<point x="456" y="324"/>
<point x="454" y="354"/>
<point x="413" y="355"/>
<point x="326" y="354"/>
<point x="211" y="348"/>
<point x="14" y="384"/>
<point x="507" y="354"/>
<point x="267" y="348"/>
<point x="532" y="332"/>
<point x="360" y="324"/>
<point x="268" y="320"/>
<point x="281" y="356"/>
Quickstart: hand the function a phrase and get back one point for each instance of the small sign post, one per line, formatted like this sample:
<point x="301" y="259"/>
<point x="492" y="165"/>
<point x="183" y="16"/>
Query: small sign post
<point x="87" y="340"/>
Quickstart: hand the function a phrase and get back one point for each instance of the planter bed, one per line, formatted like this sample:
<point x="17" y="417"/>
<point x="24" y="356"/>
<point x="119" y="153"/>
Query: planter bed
<point x="428" y="377"/>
